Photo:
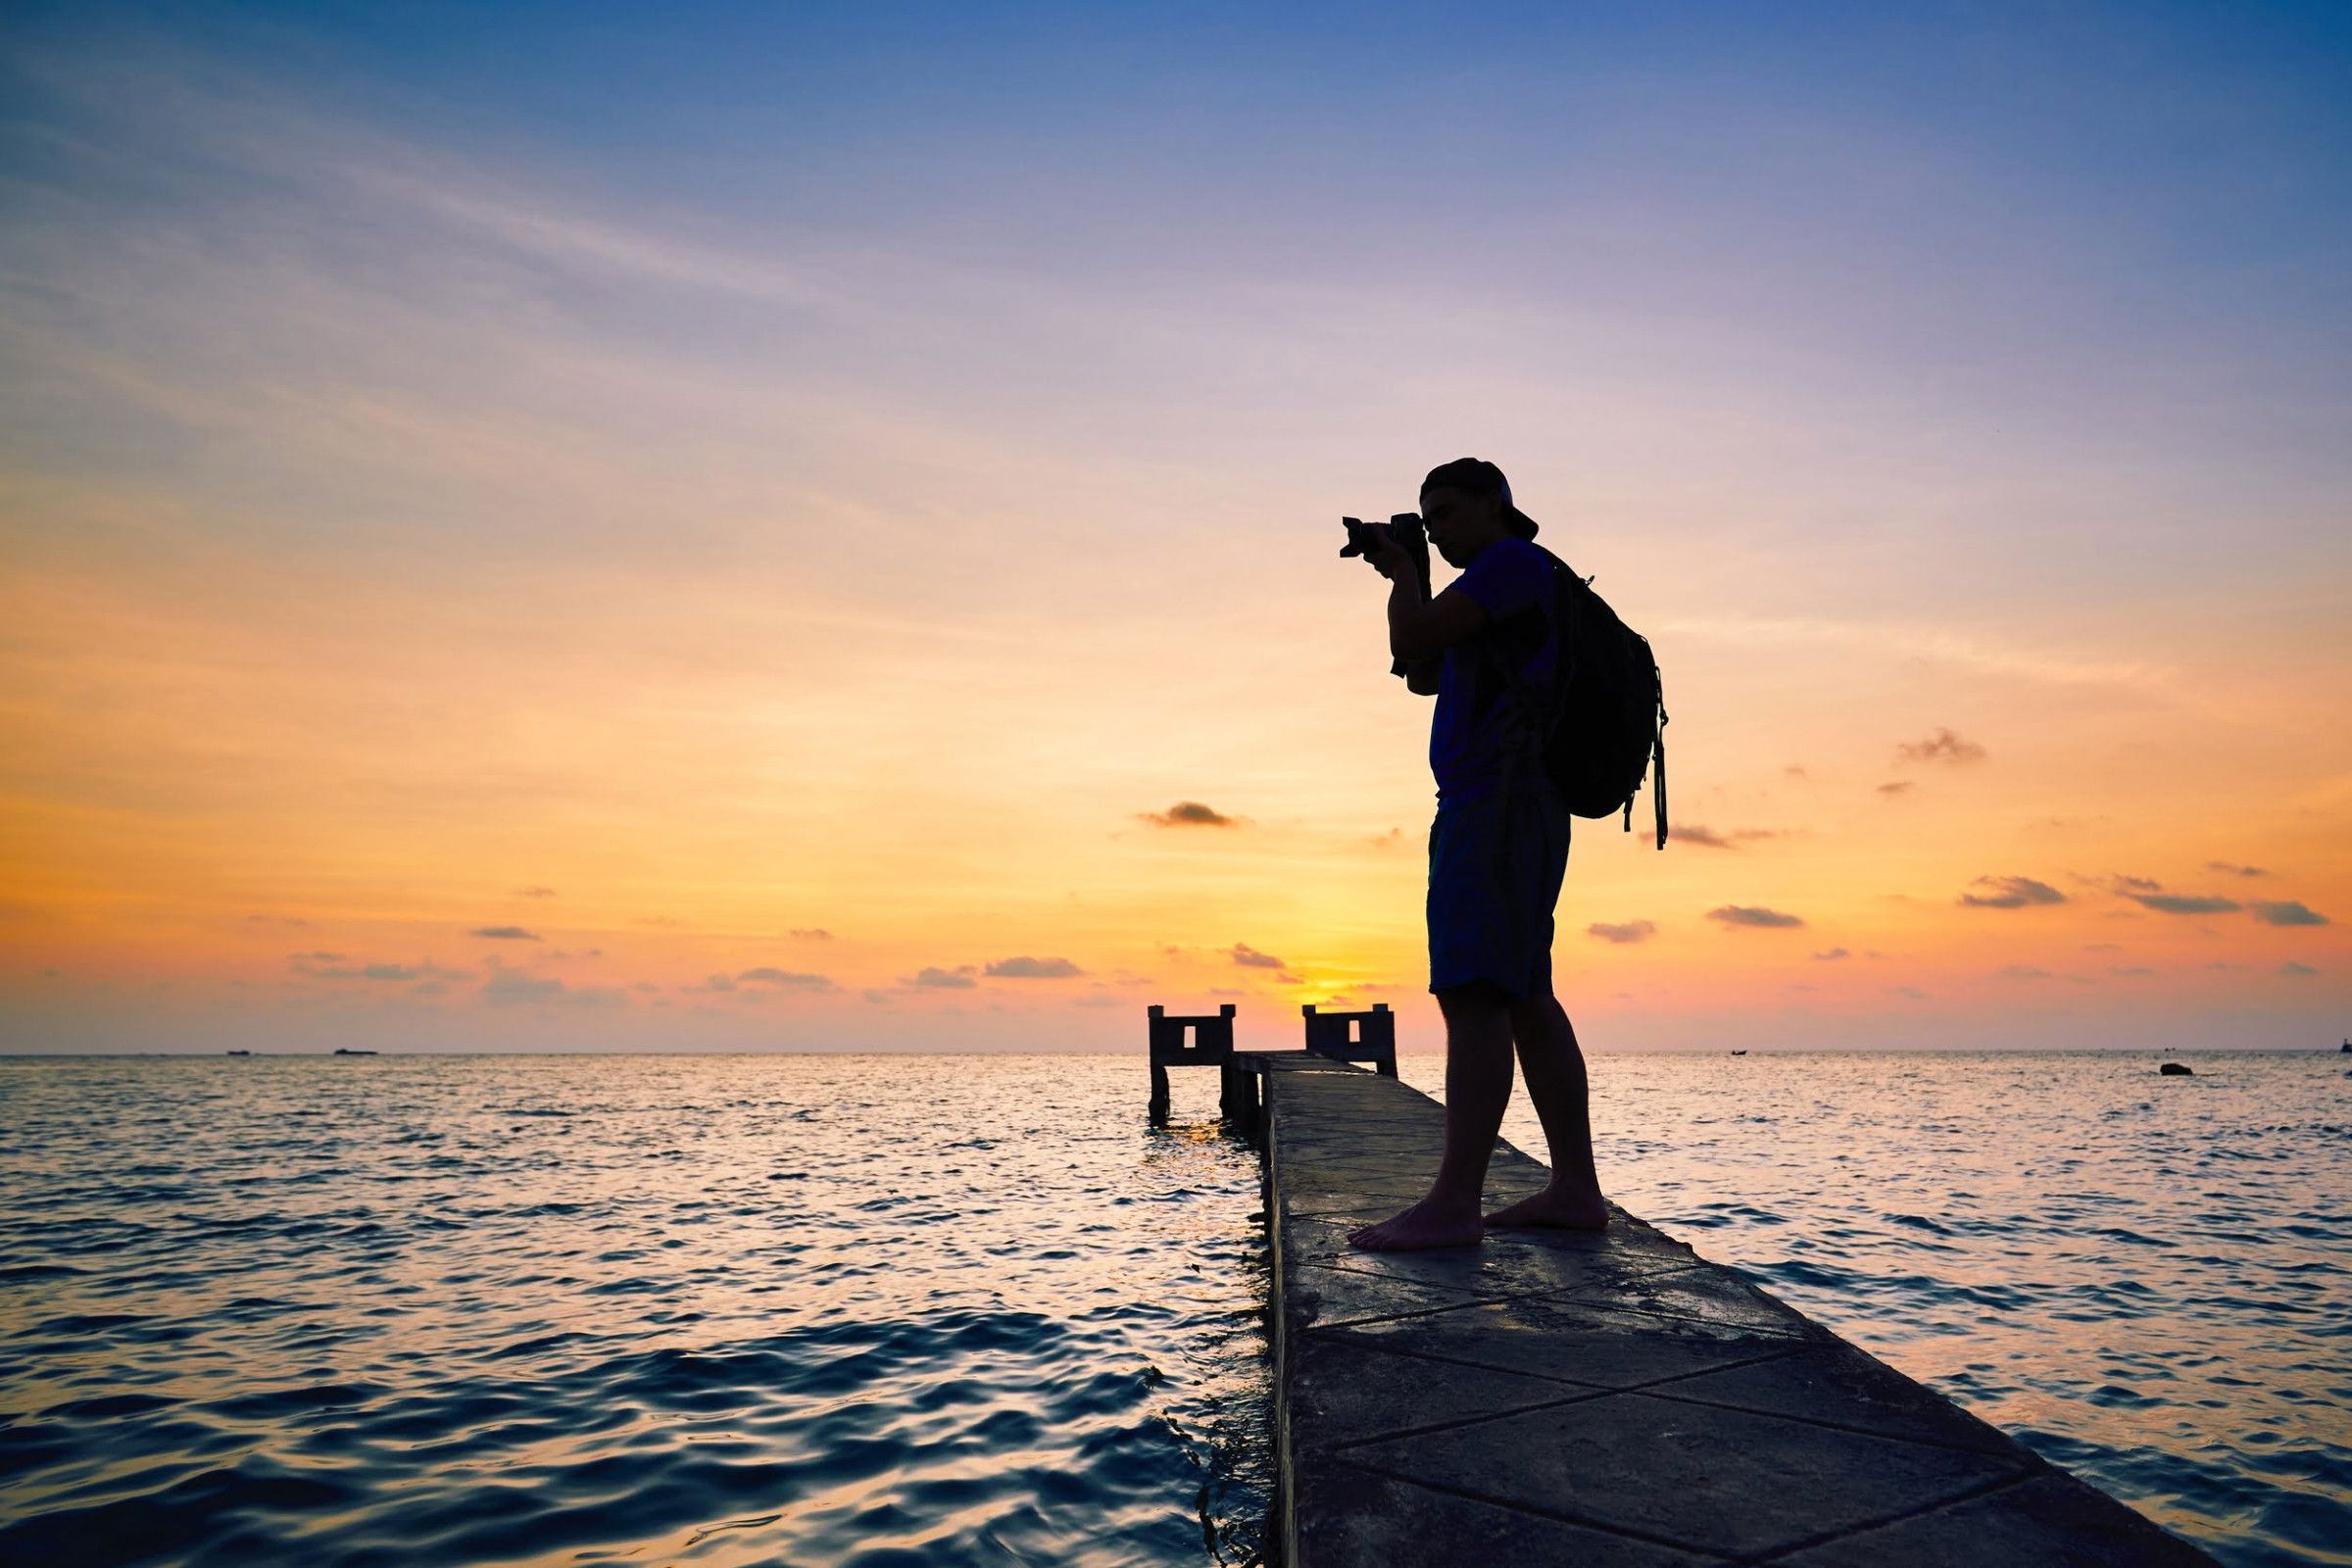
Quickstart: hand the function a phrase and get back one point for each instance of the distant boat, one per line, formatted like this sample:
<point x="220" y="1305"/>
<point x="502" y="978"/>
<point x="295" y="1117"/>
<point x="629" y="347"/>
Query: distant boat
<point x="1738" y="1053"/>
<point x="346" y="1050"/>
<point x="240" y="1053"/>
<point x="2346" y="1048"/>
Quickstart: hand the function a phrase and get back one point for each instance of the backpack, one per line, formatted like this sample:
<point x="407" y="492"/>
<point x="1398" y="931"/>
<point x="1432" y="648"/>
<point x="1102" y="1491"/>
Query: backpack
<point x="1605" y="718"/>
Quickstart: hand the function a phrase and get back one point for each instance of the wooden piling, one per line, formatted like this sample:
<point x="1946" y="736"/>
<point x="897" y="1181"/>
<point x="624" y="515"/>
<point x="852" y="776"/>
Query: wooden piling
<point x="1211" y="1046"/>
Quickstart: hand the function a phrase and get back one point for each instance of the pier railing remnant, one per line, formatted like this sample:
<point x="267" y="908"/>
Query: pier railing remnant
<point x="1354" y="1036"/>
<point x="1211" y="1046"/>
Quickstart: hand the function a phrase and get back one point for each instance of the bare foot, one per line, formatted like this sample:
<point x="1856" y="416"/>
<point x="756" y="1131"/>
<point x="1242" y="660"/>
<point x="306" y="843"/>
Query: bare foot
<point x="1554" y="1210"/>
<point x="1427" y="1224"/>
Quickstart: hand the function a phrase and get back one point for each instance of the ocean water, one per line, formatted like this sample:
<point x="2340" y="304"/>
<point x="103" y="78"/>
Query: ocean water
<point x="868" y="1310"/>
<point x="808" y="1310"/>
<point x="2147" y="1280"/>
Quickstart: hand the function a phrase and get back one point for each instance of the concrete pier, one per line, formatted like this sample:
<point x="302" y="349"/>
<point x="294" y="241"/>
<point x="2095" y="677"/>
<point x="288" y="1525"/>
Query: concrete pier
<point x="1610" y="1401"/>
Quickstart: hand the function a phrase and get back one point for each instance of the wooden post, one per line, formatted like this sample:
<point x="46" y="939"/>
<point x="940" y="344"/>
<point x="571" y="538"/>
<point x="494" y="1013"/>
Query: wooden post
<point x="1211" y="1046"/>
<point x="1354" y="1036"/>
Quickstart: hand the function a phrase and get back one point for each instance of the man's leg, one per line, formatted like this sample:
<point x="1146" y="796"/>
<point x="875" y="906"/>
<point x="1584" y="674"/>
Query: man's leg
<point x="1555" y="1081"/>
<point x="1478" y="1086"/>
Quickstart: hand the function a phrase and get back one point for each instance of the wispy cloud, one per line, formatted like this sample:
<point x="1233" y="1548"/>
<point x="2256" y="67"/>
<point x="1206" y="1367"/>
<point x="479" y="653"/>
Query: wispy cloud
<point x="513" y="987"/>
<point x="1248" y="957"/>
<point x="1628" y="931"/>
<point x="1190" y="814"/>
<point x="2011" y="892"/>
<point x="2183" y="903"/>
<point x="2286" y="912"/>
<point x="1028" y="968"/>
<point x="1706" y="837"/>
<point x="2231" y="868"/>
<point x="1833" y="954"/>
<point x="1941" y="747"/>
<point x="504" y="933"/>
<point x="959" y="978"/>
<point x="1744" y="915"/>
<point x="787" y="979"/>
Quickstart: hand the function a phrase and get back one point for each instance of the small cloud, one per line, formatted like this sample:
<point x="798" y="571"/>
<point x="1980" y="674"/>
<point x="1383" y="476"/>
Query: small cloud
<point x="1248" y="957"/>
<point x="512" y="987"/>
<point x="2022" y="971"/>
<point x="1913" y="991"/>
<point x="2129" y="969"/>
<point x="396" y="972"/>
<point x="787" y="979"/>
<point x="2185" y="904"/>
<point x="1833" y="954"/>
<point x="2135" y="884"/>
<point x="1941" y="747"/>
<point x="958" y="978"/>
<point x="1028" y="968"/>
<point x="1098" y="999"/>
<point x="1386" y="841"/>
<point x="534" y="892"/>
<point x="1752" y="915"/>
<point x="1900" y="786"/>
<point x="1629" y="931"/>
<point x="1288" y="980"/>
<point x="504" y="933"/>
<point x="2232" y="868"/>
<point x="1190" y="814"/>
<point x="2286" y="912"/>
<point x="1707" y="838"/>
<point x="717" y="982"/>
<point x="2011" y="892"/>
<point x="810" y="933"/>
<point x="2290" y="966"/>
<point x="313" y="958"/>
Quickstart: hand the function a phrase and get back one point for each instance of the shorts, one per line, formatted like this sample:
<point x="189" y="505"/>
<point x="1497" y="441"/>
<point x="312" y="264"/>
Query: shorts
<point x="1496" y="862"/>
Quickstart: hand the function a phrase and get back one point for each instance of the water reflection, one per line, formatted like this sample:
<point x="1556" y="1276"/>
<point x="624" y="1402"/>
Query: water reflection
<point x="855" y="1310"/>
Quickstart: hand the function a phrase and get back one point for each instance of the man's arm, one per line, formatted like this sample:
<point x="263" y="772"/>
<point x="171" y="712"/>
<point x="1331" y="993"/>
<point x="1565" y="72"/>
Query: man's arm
<point x="1417" y="630"/>
<point x="1420" y="629"/>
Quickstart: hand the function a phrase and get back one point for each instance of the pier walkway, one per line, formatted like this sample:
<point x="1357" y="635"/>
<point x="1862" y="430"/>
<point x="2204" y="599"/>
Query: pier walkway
<point x="1609" y="1400"/>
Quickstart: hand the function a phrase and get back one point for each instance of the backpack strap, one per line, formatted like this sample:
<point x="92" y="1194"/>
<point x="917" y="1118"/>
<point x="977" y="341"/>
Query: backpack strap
<point x="1657" y="788"/>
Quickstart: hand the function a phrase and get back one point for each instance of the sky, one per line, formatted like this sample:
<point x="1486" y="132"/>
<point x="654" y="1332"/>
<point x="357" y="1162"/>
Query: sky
<point x="810" y="526"/>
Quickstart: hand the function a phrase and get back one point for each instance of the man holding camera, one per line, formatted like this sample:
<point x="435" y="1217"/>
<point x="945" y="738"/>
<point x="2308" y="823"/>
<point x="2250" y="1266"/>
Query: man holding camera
<point x="1490" y="648"/>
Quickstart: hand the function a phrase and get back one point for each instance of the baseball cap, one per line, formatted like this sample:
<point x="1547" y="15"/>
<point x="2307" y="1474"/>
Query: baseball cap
<point x="1481" y="478"/>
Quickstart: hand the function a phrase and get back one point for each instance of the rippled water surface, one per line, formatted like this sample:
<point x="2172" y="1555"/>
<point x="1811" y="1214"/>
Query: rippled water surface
<point x="855" y="1311"/>
<point x="868" y="1310"/>
<point x="2146" y="1278"/>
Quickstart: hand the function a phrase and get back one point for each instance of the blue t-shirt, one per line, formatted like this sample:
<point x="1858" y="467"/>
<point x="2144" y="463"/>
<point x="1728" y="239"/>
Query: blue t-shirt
<point x="1468" y="735"/>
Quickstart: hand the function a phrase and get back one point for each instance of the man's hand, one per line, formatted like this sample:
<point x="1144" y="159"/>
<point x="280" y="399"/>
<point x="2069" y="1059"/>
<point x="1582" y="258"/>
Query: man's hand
<point x="1389" y="558"/>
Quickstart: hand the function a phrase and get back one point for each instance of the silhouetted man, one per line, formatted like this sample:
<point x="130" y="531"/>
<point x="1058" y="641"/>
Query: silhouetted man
<point x="1496" y="853"/>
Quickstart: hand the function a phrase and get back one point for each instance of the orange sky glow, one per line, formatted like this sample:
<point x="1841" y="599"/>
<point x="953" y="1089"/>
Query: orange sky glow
<point x="453" y="602"/>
